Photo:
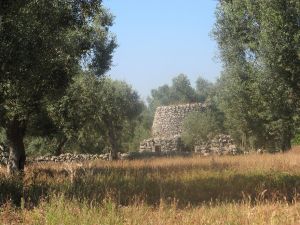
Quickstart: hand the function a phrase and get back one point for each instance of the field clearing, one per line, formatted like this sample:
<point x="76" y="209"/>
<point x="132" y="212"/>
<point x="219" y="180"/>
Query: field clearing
<point x="248" y="189"/>
<point x="62" y="211"/>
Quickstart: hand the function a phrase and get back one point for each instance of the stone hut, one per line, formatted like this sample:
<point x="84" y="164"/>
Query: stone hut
<point x="167" y="130"/>
<point x="167" y="127"/>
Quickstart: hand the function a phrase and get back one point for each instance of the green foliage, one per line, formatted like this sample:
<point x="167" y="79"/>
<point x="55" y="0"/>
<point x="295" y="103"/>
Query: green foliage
<point x="43" y="45"/>
<point x="120" y="105"/>
<point x="296" y="139"/>
<point x="84" y="118"/>
<point x="199" y="127"/>
<point x="279" y="41"/>
<point x="259" y="85"/>
<point x="136" y="130"/>
<point x="38" y="146"/>
<point x="180" y="92"/>
<point x="204" y="89"/>
<point x="96" y="113"/>
<point x="39" y="67"/>
<point x="141" y="131"/>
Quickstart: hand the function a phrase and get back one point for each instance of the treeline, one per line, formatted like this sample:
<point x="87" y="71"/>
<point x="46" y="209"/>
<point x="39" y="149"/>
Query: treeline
<point x="259" y="44"/>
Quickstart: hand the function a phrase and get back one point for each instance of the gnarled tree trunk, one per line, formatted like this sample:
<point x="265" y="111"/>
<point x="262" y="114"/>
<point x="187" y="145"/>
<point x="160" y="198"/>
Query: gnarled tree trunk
<point x="114" y="151"/>
<point x="59" y="148"/>
<point x="286" y="144"/>
<point x="113" y="143"/>
<point x="15" y="134"/>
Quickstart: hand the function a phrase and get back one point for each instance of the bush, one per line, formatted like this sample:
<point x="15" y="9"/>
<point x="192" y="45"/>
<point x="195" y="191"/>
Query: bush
<point x="296" y="139"/>
<point x="198" y="127"/>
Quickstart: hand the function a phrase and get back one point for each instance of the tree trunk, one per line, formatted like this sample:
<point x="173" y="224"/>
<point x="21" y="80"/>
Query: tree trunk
<point x="60" y="146"/>
<point x="286" y="140"/>
<point x="286" y="144"/>
<point x="15" y="134"/>
<point x="113" y="152"/>
<point x="113" y="143"/>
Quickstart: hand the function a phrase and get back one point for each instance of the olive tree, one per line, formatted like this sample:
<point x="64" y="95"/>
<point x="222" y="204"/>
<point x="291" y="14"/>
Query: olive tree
<point x="42" y="45"/>
<point x="259" y="87"/>
<point x="96" y="110"/>
<point x="199" y="127"/>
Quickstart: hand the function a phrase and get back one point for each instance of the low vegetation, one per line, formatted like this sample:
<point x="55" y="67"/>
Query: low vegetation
<point x="252" y="189"/>
<point x="62" y="211"/>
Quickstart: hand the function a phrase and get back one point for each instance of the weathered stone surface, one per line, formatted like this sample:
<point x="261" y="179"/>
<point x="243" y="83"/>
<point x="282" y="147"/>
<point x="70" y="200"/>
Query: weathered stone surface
<point x="67" y="157"/>
<point x="167" y="127"/>
<point x="220" y="145"/>
<point x="162" y="144"/>
<point x="168" y="120"/>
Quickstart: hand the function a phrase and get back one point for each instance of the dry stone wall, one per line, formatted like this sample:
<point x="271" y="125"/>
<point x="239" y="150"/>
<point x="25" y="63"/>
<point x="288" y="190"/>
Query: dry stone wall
<point x="220" y="145"/>
<point x="168" y="120"/>
<point x="67" y="158"/>
<point x="161" y="144"/>
<point x="63" y="158"/>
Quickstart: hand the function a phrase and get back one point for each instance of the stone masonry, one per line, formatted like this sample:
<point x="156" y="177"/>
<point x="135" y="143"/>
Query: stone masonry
<point x="220" y="145"/>
<point x="167" y="127"/>
<point x="168" y="120"/>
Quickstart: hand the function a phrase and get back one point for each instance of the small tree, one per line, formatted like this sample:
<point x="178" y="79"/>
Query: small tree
<point x="199" y="127"/>
<point x="141" y="131"/>
<point x="120" y="104"/>
<point x="204" y="89"/>
<point x="180" y="92"/>
<point x="97" y="111"/>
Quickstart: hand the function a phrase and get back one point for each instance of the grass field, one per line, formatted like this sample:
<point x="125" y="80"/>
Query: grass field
<point x="252" y="189"/>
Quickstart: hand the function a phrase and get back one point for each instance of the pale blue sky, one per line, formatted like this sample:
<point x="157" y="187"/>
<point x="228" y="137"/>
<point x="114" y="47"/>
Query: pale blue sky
<point x="159" y="39"/>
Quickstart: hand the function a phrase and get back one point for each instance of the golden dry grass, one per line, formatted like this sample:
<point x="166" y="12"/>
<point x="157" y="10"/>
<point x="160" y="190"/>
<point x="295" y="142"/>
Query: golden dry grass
<point x="248" y="189"/>
<point x="283" y="162"/>
<point x="288" y="161"/>
<point x="60" y="211"/>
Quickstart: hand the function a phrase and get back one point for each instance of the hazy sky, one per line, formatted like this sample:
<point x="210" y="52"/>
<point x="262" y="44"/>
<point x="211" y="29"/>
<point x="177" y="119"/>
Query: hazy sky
<point x="159" y="39"/>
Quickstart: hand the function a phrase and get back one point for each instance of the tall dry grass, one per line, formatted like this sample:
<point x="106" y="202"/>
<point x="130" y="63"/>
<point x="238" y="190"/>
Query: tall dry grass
<point x="253" y="162"/>
<point x="59" y="211"/>
<point x="250" y="189"/>
<point x="189" y="180"/>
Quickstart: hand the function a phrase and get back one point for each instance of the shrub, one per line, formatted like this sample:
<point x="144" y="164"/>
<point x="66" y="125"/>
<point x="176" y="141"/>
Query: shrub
<point x="198" y="127"/>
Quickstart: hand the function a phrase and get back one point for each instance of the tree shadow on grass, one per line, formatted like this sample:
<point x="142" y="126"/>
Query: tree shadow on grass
<point x="193" y="186"/>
